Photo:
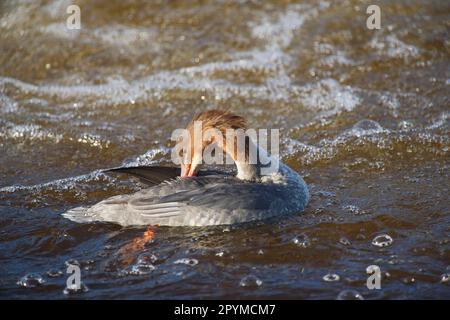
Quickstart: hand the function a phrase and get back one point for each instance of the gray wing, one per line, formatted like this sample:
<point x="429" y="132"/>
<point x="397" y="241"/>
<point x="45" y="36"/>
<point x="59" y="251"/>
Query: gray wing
<point x="229" y="194"/>
<point x="197" y="201"/>
<point x="150" y="175"/>
<point x="154" y="175"/>
<point x="215" y="200"/>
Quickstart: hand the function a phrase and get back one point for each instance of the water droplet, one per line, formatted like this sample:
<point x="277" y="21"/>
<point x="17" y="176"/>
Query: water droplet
<point x="72" y="262"/>
<point x="352" y="280"/>
<point x="146" y="258"/>
<point x="31" y="280"/>
<point x="409" y="280"/>
<point x="102" y="254"/>
<point x="345" y="241"/>
<point x="382" y="240"/>
<point x="250" y="281"/>
<point x="354" y="210"/>
<point x="445" y="278"/>
<point x="395" y="260"/>
<point x="144" y="265"/>
<point x="188" y="261"/>
<point x="140" y="269"/>
<point x="349" y="295"/>
<point x="360" y="236"/>
<point x="73" y="289"/>
<point x="331" y="277"/>
<point x="302" y="240"/>
<point x="54" y="273"/>
<point x="220" y="254"/>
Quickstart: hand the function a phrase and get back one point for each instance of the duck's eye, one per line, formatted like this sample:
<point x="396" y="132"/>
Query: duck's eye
<point x="181" y="153"/>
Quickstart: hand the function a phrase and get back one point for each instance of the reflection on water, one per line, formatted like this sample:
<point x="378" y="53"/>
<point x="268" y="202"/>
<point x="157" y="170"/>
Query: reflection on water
<point x="363" y="116"/>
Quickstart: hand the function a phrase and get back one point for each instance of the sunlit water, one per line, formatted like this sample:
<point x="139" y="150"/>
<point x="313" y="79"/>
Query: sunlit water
<point x="364" y="117"/>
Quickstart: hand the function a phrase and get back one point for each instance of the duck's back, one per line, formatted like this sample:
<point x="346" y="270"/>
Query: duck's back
<point x="200" y="201"/>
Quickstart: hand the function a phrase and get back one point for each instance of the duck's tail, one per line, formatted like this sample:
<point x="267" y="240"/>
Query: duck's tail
<point x="80" y="215"/>
<point x="107" y="210"/>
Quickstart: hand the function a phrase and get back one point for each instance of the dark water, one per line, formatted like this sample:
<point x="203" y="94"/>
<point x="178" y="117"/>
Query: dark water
<point x="364" y="116"/>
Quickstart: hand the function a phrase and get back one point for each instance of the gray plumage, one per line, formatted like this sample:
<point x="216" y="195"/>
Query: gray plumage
<point x="209" y="199"/>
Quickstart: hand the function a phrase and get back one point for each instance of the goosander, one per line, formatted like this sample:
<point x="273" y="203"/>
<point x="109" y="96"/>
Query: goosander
<point x="192" y="196"/>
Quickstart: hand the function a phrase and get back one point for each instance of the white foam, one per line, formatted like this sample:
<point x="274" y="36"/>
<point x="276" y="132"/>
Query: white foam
<point x="277" y="32"/>
<point x="391" y="46"/>
<point x="338" y="58"/>
<point x="328" y="95"/>
<point x="114" y="35"/>
<point x="8" y="105"/>
<point x="365" y="127"/>
<point x="93" y="140"/>
<point x="280" y="31"/>
<point x="148" y="158"/>
<point x="28" y="132"/>
<point x="442" y="121"/>
<point x="60" y="184"/>
<point x="97" y="175"/>
<point x="332" y="56"/>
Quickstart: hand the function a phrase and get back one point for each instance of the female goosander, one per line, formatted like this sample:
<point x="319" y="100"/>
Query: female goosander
<point x="204" y="198"/>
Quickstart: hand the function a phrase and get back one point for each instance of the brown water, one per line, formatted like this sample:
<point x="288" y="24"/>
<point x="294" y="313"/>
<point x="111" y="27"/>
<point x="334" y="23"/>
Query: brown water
<point x="364" y="116"/>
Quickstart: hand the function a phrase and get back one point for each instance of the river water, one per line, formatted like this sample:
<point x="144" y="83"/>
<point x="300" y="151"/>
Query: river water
<point x="363" y="116"/>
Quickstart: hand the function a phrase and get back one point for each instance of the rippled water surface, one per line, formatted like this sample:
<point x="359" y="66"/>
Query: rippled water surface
<point x="364" y="117"/>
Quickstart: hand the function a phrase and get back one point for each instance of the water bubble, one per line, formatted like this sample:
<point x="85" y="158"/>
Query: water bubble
<point x="352" y="280"/>
<point x="344" y="241"/>
<point x="74" y="289"/>
<point x="365" y="127"/>
<point x="395" y="260"/>
<point x="31" y="280"/>
<point x="250" y="281"/>
<point x="349" y="295"/>
<point x="54" y="273"/>
<point x="405" y="124"/>
<point x="146" y="258"/>
<point x="445" y="278"/>
<point x="354" y="210"/>
<point x="140" y="269"/>
<point x="72" y="262"/>
<point x="88" y="264"/>
<point x="382" y="240"/>
<point x="302" y="240"/>
<point x="331" y="277"/>
<point x="409" y="280"/>
<point x="102" y="254"/>
<point x="360" y="236"/>
<point x="188" y="261"/>
<point x="144" y="265"/>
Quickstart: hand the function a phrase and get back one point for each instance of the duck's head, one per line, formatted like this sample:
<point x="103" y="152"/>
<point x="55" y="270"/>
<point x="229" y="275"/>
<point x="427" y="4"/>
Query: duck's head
<point x="202" y="129"/>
